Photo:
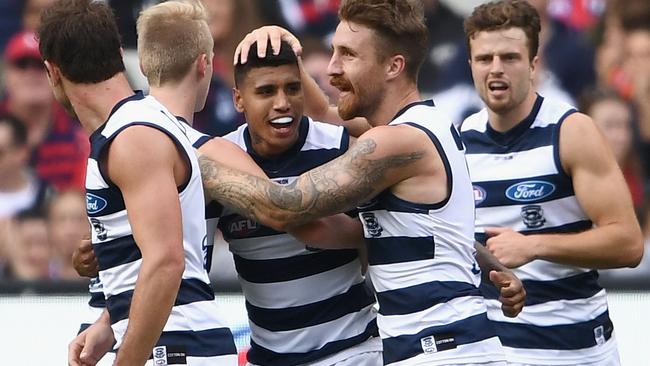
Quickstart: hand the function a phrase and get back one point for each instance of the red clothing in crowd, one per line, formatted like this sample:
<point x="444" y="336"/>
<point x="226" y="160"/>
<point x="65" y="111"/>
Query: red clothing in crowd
<point x="61" y="158"/>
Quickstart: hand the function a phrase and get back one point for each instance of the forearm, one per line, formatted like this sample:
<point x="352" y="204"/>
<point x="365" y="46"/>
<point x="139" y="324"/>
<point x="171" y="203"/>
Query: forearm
<point x="608" y="246"/>
<point x="487" y="262"/>
<point x="278" y="206"/>
<point x="316" y="103"/>
<point x="332" y="232"/>
<point x="158" y="284"/>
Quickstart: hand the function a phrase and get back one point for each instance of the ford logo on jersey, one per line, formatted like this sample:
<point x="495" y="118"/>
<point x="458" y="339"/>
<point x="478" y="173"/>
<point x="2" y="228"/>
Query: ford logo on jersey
<point x="94" y="203"/>
<point x="531" y="190"/>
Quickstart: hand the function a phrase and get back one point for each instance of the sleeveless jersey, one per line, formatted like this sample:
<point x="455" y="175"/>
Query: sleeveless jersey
<point x="421" y="263"/>
<point x="519" y="183"/>
<point x="194" y="333"/>
<point x="303" y="303"/>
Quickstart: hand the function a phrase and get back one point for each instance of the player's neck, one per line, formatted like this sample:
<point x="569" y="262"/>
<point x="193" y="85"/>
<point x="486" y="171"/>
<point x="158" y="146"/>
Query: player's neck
<point x="505" y="121"/>
<point x="394" y="100"/>
<point x="93" y="103"/>
<point x="179" y="100"/>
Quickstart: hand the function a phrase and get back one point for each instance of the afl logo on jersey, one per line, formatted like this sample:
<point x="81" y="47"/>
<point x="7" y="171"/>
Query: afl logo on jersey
<point x="242" y="227"/>
<point x="94" y="204"/>
<point x="529" y="191"/>
<point x="479" y="194"/>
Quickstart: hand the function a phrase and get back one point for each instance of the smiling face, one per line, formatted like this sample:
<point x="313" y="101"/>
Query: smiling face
<point x="272" y="100"/>
<point x="356" y="71"/>
<point x="502" y="72"/>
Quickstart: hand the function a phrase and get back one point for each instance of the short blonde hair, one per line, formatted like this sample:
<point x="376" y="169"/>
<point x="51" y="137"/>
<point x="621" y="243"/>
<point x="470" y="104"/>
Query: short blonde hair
<point x="171" y="36"/>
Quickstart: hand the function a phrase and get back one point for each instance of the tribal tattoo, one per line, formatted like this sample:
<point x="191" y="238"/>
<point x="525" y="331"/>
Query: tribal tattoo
<point x="331" y="188"/>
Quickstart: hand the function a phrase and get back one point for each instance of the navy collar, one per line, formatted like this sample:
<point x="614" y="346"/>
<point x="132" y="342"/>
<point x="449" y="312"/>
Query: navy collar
<point x="138" y="94"/>
<point x="181" y="119"/>
<point x="508" y="137"/>
<point x="428" y="102"/>
<point x="278" y="161"/>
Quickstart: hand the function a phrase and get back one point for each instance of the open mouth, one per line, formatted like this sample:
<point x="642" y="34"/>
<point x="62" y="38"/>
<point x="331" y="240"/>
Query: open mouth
<point x="282" y="124"/>
<point x="281" y="121"/>
<point x="497" y="86"/>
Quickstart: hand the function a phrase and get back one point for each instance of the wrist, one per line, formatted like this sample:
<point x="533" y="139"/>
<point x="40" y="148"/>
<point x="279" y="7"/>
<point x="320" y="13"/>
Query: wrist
<point x="537" y="247"/>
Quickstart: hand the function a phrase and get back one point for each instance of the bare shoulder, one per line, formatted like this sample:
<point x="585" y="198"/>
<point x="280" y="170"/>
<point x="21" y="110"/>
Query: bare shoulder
<point x="219" y="148"/>
<point x="141" y="142"/>
<point x="138" y="150"/>
<point x="582" y="143"/>
<point x="397" y="139"/>
<point x="576" y="125"/>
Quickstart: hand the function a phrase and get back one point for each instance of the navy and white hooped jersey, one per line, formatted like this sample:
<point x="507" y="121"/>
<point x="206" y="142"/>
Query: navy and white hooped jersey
<point x="421" y="262"/>
<point x="194" y="333"/>
<point x="519" y="183"/>
<point x="96" y="304"/>
<point x="303" y="304"/>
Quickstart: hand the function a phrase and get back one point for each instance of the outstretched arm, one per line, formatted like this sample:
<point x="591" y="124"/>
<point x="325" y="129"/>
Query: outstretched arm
<point x="377" y="161"/>
<point x="231" y="155"/>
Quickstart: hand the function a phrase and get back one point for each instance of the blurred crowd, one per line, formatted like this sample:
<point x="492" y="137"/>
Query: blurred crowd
<point x="594" y="54"/>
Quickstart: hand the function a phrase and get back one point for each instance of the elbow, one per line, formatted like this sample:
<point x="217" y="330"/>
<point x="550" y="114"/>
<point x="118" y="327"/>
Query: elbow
<point x="170" y="265"/>
<point x="631" y="250"/>
<point x="635" y="252"/>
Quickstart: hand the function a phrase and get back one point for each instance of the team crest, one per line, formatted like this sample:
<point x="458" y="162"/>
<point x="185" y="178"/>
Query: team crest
<point x="99" y="228"/>
<point x="372" y="225"/>
<point x="533" y="216"/>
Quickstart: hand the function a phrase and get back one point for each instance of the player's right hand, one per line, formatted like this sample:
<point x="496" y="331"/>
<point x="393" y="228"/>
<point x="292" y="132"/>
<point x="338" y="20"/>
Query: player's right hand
<point x="512" y="294"/>
<point x="84" y="260"/>
<point x="87" y="348"/>
<point x="262" y="35"/>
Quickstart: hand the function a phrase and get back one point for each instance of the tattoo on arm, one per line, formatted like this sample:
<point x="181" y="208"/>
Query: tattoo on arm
<point x="331" y="188"/>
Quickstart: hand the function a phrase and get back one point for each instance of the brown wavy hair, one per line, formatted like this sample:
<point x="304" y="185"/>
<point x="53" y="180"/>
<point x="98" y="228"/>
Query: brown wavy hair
<point x="505" y="14"/>
<point x="399" y="25"/>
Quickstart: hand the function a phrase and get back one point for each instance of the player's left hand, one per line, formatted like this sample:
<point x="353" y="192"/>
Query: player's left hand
<point x="262" y="35"/>
<point x="84" y="260"/>
<point x="511" y="292"/>
<point x="509" y="247"/>
<point x="91" y="345"/>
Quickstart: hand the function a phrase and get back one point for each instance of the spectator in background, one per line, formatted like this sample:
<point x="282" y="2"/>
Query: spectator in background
<point x="28" y="247"/>
<point x="67" y="224"/>
<point x="613" y="116"/>
<point x="32" y="13"/>
<point x="229" y="21"/>
<point x="609" y="52"/>
<point x="315" y="59"/>
<point x="9" y="21"/>
<point x="445" y="44"/>
<point x="310" y="17"/>
<point x="567" y="54"/>
<point x="636" y="27"/>
<point x="59" y="147"/>
<point x="20" y="189"/>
